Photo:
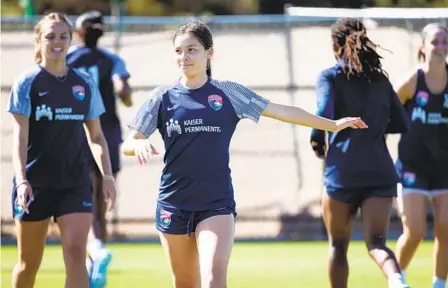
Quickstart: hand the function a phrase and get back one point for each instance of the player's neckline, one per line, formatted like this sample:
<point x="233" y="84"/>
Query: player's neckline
<point x="60" y="79"/>
<point x="183" y="87"/>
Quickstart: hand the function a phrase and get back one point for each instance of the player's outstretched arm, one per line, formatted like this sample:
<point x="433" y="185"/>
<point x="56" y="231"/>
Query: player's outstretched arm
<point x="299" y="116"/>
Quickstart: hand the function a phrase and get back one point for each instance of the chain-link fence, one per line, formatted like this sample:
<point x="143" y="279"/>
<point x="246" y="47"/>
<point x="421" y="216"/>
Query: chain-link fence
<point x="277" y="179"/>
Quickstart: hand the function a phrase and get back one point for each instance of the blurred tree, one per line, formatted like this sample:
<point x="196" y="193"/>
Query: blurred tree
<point x="72" y="7"/>
<point x="28" y="7"/>
<point x="10" y="7"/>
<point x="146" y="7"/>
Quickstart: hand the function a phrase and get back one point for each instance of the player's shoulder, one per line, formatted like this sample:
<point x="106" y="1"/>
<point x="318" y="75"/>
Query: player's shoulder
<point x="72" y="49"/>
<point x="227" y="85"/>
<point x="28" y="76"/>
<point x="109" y="54"/>
<point x="76" y="50"/>
<point x="409" y="79"/>
<point x="84" y="75"/>
<point x="162" y="90"/>
<point x="331" y="72"/>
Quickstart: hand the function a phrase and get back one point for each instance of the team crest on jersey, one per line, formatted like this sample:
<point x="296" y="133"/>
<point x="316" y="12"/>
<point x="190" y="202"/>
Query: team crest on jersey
<point x="422" y="98"/>
<point x="409" y="178"/>
<point x="165" y="218"/>
<point x="215" y="101"/>
<point x="79" y="92"/>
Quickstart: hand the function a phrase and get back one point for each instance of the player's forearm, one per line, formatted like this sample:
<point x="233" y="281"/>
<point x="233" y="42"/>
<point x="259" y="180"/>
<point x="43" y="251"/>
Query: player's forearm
<point x="19" y="157"/>
<point x="100" y="153"/>
<point x="299" y="116"/>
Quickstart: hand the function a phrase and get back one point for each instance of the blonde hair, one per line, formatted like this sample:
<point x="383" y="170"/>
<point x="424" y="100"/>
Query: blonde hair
<point x="51" y="17"/>
<point x="424" y="34"/>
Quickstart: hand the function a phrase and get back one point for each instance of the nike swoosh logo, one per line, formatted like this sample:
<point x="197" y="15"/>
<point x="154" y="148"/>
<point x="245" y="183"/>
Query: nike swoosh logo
<point x="43" y="93"/>
<point x="172" y="108"/>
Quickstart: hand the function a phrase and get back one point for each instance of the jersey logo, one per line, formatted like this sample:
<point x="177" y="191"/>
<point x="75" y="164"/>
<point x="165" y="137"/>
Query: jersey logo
<point x="422" y="98"/>
<point x="43" y="93"/>
<point x="78" y="92"/>
<point x="215" y="101"/>
<point x="445" y="101"/>
<point x="173" y="126"/>
<point x="172" y="107"/>
<point x="418" y="114"/>
<point x="165" y="218"/>
<point x="409" y="178"/>
<point x="44" y="111"/>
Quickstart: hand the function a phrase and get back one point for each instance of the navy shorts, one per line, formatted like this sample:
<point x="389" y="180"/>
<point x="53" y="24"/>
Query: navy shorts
<point x="181" y="222"/>
<point x="355" y="197"/>
<point x="428" y="178"/>
<point x="54" y="203"/>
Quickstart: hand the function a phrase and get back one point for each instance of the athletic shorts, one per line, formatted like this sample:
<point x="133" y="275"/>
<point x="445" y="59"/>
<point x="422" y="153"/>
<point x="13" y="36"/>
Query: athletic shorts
<point x="422" y="180"/>
<point x="181" y="222"/>
<point x="355" y="197"/>
<point x="54" y="203"/>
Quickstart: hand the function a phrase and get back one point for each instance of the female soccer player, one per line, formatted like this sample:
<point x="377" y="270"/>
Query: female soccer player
<point x="197" y="116"/>
<point x="423" y="153"/>
<point x="50" y="104"/>
<point x="359" y="171"/>
<point x="110" y="73"/>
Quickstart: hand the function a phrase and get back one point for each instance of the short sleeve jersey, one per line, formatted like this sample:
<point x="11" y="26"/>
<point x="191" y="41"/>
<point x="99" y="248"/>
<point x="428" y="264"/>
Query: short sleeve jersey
<point x="197" y="126"/>
<point x="57" y="108"/>
<point x="358" y="157"/>
<point x="102" y="66"/>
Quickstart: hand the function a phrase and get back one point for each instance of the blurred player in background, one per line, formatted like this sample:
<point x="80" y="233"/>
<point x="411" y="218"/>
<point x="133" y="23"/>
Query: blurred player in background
<point x="197" y="116"/>
<point x="359" y="171"/>
<point x="110" y="74"/>
<point x="52" y="105"/>
<point x="423" y="153"/>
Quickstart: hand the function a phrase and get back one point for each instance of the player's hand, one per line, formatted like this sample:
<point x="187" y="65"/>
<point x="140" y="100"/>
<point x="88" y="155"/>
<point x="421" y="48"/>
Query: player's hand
<point x="109" y="191"/>
<point x="127" y="101"/>
<point x="24" y="196"/>
<point x="319" y="150"/>
<point x="350" y="122"/>
<point x="144" y="150"/>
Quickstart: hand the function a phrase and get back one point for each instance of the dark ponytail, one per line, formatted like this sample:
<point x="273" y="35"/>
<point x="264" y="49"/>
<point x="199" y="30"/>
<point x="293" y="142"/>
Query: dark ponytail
<point x="355" y="49"/>
<point x="209" y="69"/>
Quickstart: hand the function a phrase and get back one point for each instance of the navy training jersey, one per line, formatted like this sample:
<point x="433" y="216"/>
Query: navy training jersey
<point x="427" y="141"/>
<point x="57" y="143"/>
<point x="197" y="126"/>
<point x="102" y="66"/>
<point x="358" y="157"/>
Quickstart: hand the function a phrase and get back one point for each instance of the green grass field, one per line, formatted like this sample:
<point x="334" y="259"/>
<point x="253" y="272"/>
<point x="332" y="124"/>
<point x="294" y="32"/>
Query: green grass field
<point x="257" y="265"/>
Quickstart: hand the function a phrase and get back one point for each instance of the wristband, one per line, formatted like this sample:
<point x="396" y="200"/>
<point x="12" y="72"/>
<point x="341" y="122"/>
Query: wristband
<point x="109" y="177"/>
<point x="22" y="183"/>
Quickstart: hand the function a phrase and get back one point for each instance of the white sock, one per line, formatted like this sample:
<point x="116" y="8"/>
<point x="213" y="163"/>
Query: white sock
<point x="395" y="280"/>
<point x="438" y="283"/>
<point x="404" y="273"/>
<point x="94" y="246"/>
